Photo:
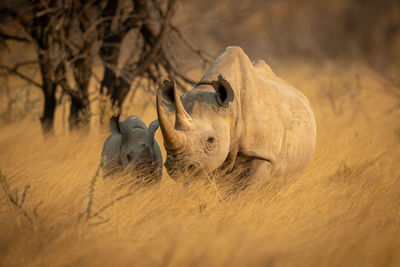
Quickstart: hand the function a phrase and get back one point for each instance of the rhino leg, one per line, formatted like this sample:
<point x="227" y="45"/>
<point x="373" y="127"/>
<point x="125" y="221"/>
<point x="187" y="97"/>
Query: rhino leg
<point x="248" y="171"/>
<point x="260" y="174"/>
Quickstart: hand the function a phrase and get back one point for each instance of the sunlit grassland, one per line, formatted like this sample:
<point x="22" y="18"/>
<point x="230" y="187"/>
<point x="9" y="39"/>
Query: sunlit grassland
<point x="344" y="210"/>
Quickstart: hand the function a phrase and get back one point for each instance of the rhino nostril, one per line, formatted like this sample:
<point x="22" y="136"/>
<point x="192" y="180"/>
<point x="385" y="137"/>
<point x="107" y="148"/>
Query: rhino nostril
<point x="191" y="167"/>
<point x="167" y="166"/>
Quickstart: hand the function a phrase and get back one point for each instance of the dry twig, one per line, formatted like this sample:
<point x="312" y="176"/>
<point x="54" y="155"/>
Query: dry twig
<point x="14" y="200"/>
<point x="92" y="187"/>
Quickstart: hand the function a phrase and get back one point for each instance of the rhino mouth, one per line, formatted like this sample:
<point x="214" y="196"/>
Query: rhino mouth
<point x="182" y="170"/>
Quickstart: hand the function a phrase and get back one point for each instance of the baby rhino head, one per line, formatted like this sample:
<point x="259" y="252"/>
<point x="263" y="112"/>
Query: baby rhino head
<point x="132" y="148"/>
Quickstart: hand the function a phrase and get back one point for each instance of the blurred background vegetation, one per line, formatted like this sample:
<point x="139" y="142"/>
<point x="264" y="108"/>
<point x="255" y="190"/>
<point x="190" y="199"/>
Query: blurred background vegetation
<point x="93" y="58"/>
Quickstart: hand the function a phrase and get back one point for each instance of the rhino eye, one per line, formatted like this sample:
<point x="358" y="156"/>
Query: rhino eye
<point x="210" y="143"/>
<point x="129" y="158"/>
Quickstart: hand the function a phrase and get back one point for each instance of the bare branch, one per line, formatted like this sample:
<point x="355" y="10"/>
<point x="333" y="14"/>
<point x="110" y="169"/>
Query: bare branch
<point x="6" y="12"/>
<point x="168" y="66"/>
<point x="99" y="222"/>
<point x="47" y="11"/>
<point x="92" y="186"/>
<point x="111" y="203"/>
<point x="24" y="195"/>
<point x="14" y="71"/>
<point x="6" y="36"/>
<point x="152" y="54"/>
<point x="200" y="53"/>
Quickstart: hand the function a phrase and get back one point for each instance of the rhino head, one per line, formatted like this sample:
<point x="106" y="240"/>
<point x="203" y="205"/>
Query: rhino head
<point x="200" y="139"/>
<point x="132" y="147"/>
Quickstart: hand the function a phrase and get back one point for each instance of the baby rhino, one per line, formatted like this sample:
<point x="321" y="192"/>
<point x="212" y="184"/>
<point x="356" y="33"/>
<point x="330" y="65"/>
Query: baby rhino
<point x="132" y="147"/>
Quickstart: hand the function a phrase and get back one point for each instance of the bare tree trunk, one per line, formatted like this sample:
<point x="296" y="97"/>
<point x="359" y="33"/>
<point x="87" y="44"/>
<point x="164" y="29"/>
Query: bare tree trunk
<point x="49" y="85"/>
<point x="117" y="88"/>
<point x="79" y="115"/>
<point x="119" y="91"/>
<point x="47" y="118"/>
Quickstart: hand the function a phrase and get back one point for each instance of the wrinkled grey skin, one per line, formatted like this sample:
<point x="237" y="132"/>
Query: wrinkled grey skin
<point x="239" y="114"/>
<point x="133" y="147"/>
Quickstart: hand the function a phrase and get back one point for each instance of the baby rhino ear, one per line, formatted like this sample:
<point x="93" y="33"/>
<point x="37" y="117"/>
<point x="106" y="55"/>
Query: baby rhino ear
<point x="153" y="128"/>
<point x="114" y="124"/>
<point x="224" y="91"/>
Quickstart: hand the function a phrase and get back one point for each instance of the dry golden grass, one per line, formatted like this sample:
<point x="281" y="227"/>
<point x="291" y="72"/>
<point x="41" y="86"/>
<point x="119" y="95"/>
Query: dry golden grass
<point x="344" y="210"/>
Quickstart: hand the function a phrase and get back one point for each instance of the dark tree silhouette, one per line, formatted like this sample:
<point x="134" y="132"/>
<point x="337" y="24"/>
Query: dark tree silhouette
<point x="69" y="34"/>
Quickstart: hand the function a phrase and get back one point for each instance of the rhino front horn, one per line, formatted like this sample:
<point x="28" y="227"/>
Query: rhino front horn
<point x="183" y="119"/>
<point x="174" y="140"/>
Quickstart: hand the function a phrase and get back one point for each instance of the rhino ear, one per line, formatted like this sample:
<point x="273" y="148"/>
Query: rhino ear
<point x="114" y="124"/>
<point x="153" y="128"/>
<point x="224" y="91"/>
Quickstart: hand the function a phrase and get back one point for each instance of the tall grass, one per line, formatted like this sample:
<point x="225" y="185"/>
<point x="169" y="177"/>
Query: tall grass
<point x="344" y="210"/>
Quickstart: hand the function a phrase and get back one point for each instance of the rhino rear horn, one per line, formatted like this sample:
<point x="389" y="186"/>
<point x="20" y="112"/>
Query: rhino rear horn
<point x="224" y="91"/>
<point x="114" y="124"/>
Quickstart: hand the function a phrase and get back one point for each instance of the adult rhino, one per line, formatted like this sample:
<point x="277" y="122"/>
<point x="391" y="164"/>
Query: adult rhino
<point x="239" y="113"/>
<point x="133" y="147"/>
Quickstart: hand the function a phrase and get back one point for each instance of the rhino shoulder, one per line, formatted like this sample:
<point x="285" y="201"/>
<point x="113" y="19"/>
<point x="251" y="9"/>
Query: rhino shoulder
<point x="111" y="146"/>
<point x="110" y="154"/>
<point x="285" y="133"/>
